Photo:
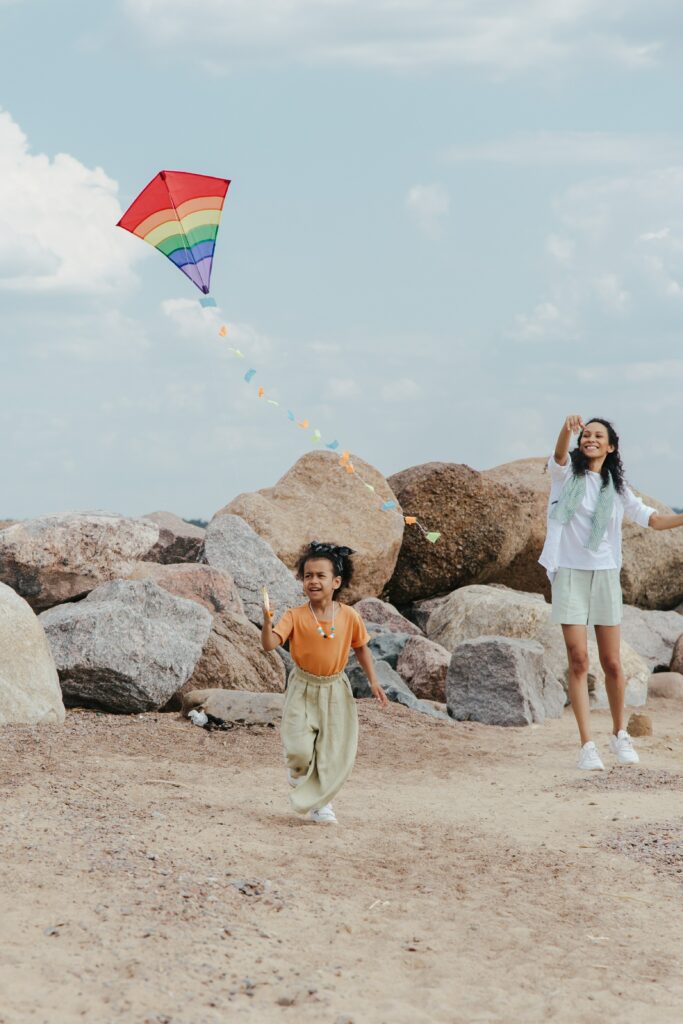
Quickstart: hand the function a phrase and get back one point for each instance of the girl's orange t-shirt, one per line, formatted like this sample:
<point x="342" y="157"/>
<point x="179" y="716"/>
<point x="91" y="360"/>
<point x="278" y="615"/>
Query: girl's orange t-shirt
<point x="317" y="654"/>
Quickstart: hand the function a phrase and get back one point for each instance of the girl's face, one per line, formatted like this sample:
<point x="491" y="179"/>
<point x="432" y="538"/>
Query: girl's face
<point x="320" y="581"/>
<point x="594" y="441"/>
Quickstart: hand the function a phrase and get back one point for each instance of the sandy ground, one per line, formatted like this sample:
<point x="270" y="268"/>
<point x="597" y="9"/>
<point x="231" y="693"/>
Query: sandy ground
<point x="151" y="872"/>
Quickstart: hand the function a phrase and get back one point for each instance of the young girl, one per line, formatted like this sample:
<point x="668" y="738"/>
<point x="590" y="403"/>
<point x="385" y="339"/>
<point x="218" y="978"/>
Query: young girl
<point x="319" y="720"/>
<point x="582" y="556"/>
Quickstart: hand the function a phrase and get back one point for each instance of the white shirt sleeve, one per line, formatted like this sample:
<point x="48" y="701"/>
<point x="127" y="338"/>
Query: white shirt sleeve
<point x="635" y="508"/>
<point x="557" y="472"/>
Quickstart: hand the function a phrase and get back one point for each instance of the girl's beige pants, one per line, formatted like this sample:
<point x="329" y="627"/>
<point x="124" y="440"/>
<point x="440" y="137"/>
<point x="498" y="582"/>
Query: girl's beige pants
<point x="320" y="736"/>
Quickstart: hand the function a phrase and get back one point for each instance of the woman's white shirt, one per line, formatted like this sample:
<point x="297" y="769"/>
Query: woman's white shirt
<point x="565" y="543"/>
<point x="572" y="552"/>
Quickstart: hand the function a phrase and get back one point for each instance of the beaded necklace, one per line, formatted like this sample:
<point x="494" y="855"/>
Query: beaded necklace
<point x="330" y="635"/>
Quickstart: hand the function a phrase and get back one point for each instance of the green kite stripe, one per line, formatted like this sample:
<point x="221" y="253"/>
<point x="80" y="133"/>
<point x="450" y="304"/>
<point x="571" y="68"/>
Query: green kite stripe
<point x="204" y="234"/>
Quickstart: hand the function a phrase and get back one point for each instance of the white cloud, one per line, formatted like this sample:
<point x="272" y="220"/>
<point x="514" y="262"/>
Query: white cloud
<point x="58" y="222"/>
<point x="501" y="36"/>
<point x="402" y="390"/>
<point x="563" y="148"/>
<point x="612" y="258"/>
<point x="545" y="323"/>
<point x="428" y="205"/>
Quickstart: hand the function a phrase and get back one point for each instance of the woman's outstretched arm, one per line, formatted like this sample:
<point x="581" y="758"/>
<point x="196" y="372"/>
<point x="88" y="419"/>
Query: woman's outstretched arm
<point x="572" y="425"/>
<point x="665" y="522"/>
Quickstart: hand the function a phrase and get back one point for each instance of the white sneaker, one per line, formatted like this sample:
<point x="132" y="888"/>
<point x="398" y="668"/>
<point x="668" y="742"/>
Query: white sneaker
<point x="323" y="815"/>
<point x="622" y="746"/>
<point x="589" y="759"/>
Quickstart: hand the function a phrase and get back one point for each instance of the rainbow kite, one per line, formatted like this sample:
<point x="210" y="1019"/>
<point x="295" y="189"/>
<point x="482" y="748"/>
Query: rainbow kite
<point x="179" y="213"/>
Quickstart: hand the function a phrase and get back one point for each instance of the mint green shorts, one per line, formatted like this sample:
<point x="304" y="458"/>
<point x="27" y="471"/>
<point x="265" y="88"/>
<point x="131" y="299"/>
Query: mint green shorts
<point x="587" y="597"/>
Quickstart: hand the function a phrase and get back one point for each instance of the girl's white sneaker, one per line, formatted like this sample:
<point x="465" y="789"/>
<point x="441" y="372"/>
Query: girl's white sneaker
<point x="323" y="815"/>
<point x="622" y="746"/>
<point x="589" y="759"/>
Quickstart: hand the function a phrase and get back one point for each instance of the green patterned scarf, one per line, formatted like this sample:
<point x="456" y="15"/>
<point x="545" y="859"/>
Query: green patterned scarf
<point x="571" y="496"/>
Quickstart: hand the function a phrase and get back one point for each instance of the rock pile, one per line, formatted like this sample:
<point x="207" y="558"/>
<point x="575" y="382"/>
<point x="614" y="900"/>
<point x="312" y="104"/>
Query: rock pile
<point x="139" y="613"/>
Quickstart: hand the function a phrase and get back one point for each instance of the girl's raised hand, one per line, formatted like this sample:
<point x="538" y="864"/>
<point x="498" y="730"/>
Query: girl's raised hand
<point x="574" y="424"/>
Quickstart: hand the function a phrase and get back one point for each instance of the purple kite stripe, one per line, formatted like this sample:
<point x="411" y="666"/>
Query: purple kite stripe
<point x="199" y="273"/>
<point x="194" y="254"/>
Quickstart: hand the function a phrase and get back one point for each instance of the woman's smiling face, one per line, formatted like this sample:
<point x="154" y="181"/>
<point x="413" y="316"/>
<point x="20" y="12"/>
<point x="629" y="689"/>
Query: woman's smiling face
<point x="594" y="441"/>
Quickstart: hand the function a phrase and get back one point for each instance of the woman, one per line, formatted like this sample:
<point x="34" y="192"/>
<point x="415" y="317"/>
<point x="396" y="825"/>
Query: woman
<point x="582" y="556"/>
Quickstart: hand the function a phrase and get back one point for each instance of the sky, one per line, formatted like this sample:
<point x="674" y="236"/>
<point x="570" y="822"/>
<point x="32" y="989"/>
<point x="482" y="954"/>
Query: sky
<point x="450" y="224"/>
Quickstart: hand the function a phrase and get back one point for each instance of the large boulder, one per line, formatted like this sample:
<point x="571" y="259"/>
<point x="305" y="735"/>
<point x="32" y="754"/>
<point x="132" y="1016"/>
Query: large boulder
<point x="384" y="615"/>
<point x="483" y="527"/>
<point x="236" y="707"/>
<point x="61" y="557"/>
<point x="213" y="588"/>
<point x="233" y="659"/>
<point x="652" y="634"/>
<point x="480" y="610"/>
<point x="652" y="570"/>
<point x="232" y="546"/>
<point x="179" y="541"/>
<point x="423" y="666"/>
<point x="127" y="647"/>
<point x="529" y="481"/>
<point x="29" y="684"/>
<point x="318" y="500"/>
<point x="501" y="681"/>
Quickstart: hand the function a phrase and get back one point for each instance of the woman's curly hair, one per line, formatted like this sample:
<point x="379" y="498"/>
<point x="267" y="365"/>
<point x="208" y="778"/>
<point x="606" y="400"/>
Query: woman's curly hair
<point x="612" y="466"/>
<point x="340" y="557"/>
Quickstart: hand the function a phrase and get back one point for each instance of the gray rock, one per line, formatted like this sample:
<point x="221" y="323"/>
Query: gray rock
<point x="423" y="665"/>
<point x="501" y="681"/>
<point x="371" y="609"/>
<point x="127" y="647"/>
<point x="389" y="680"/>
<point x="178" y="541"/>
<point x="383" y="647"/>
<point x="394" y="687"/>
<point x="652" y="634"/>
<point x="236" y="707"/>
<point x="29" y="685"/>
<point x="480" y="610"/>
<point x="233" y="546"/>
<point x="421" y="612"/>
<point x="58" y="558"/>
<point x="666" y="684"/>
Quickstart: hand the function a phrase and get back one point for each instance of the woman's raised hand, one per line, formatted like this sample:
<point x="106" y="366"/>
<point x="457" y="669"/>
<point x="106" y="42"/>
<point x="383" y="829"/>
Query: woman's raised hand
<point x="574" y="424"/>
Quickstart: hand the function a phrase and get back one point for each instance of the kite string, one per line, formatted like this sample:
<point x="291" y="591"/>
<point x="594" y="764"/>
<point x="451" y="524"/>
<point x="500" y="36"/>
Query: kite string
<point x="345" y="460"/>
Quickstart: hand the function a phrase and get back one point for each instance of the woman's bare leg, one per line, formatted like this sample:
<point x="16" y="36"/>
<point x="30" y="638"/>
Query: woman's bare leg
<point x="576" y="641"/>
<point x="609" y="646"/>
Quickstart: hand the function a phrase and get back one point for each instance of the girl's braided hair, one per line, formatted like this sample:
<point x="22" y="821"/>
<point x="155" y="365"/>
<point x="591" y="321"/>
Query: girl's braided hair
<point x="340" y="557"/>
